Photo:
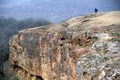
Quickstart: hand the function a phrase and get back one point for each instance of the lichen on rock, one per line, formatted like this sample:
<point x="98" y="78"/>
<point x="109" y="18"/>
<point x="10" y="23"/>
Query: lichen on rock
<point x="102" y="63"/>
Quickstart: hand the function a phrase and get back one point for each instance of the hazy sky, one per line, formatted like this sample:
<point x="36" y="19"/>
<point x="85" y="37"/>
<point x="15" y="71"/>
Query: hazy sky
<point x="54" y="10"/>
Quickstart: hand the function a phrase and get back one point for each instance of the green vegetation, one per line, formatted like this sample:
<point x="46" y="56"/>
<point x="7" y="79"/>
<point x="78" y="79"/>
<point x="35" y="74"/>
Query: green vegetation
<point x="16" y="78"/>
<point x="77" y="30"/>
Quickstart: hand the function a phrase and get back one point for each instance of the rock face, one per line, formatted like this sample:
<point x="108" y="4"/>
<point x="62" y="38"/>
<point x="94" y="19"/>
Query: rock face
<point x="82" y="48"/>
<point x="103" y="62"/>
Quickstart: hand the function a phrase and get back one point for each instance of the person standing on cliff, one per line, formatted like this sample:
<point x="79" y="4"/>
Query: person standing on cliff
<point x="96" y="10"/>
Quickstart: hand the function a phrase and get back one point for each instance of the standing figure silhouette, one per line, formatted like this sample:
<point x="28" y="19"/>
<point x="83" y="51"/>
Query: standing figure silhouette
<point x="96" y="10"/>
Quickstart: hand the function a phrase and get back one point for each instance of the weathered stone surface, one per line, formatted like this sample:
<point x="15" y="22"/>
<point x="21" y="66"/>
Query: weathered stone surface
<point x="102" y="63"/>
<point x="50" y="55"/>
<point x="80" y="48"/>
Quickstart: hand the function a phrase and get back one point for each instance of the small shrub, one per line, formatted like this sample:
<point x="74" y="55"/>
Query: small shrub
<point x="16" y="78"/>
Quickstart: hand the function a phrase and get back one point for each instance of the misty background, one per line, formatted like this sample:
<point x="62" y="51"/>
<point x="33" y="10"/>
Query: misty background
<point x="54" y="10"/>
<point x="16" y="15"/>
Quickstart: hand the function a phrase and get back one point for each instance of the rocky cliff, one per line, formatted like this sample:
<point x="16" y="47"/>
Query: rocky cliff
<point x="81" y="48"/>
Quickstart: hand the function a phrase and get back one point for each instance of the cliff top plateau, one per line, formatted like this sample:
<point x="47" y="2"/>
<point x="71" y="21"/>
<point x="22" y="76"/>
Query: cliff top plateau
<point x="81" y="48"/>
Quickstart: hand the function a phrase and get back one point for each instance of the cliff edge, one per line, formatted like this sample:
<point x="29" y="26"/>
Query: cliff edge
<point x="81" y="48"/>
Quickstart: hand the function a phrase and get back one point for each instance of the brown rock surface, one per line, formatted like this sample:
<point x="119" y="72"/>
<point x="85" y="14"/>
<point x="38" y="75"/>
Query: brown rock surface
<point x="52" y="52"/>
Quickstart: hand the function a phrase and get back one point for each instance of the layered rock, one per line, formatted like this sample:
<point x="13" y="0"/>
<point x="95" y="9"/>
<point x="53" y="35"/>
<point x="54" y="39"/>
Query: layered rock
<point x="64" y="51"/>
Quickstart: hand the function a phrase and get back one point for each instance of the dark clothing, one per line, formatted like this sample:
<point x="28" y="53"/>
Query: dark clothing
<point x="96" y="10"/>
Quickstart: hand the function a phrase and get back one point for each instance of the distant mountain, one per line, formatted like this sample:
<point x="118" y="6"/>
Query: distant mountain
<point x="11" y="26"/>
<point x="54" y="10"/>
